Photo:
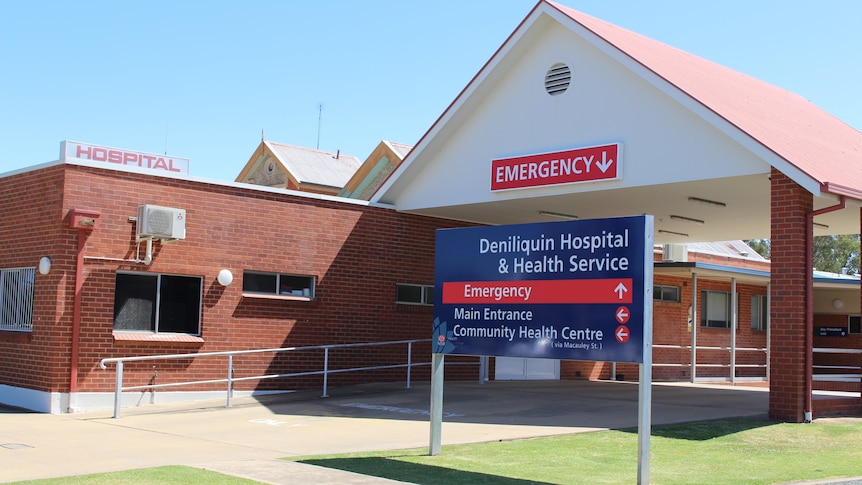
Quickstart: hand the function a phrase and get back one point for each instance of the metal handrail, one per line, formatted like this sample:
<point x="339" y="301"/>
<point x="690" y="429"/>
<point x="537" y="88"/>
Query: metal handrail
<point x="230" y="379"/>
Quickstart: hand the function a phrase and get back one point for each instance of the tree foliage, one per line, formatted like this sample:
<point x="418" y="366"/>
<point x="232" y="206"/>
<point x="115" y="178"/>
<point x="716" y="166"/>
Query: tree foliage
<point x="831" y="253"/>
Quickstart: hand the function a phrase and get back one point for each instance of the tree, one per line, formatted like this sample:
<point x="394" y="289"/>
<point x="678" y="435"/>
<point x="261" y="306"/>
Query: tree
<point x="835" y="253"/>
<point x="831" y="253"/>
<point x="759" y="245"/>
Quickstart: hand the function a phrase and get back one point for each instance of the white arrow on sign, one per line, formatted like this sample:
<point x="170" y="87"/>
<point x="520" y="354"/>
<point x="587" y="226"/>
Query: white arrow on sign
<point x="622" y="315"/>
<point x="620" y="290"/>
<point x="606" y="163"/>
<point x="622" y="334"/>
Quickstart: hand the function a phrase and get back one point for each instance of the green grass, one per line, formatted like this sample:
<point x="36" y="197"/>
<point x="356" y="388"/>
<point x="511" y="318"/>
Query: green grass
<point x="717" y="452"/>
<point x="165" y="475"/>
<point x="733" y="451"/>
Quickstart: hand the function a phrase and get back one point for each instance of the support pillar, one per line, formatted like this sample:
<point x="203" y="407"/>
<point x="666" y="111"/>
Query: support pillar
<point x="790" y="277"/>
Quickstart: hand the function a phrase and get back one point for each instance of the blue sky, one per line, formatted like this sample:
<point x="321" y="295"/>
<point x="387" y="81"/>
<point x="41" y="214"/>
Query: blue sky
<point x="201" y="80"/>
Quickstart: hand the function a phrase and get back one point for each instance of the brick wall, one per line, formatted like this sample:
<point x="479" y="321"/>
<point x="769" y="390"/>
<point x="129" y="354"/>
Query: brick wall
<point x="357" y="254"/>
<point x="31" y="208"/>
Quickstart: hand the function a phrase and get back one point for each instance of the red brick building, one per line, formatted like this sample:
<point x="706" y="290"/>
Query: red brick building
<point x="710" y="153"/>
<point x="347" y="256"/>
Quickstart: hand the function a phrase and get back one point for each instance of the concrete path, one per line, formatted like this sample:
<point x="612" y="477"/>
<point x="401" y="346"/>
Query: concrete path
<point x="248" y="439"/>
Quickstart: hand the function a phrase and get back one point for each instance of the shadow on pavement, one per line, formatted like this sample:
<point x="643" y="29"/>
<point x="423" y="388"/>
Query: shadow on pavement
<point x="413" y="472"/>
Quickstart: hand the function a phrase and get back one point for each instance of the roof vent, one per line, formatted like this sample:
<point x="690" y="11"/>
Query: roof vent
<point x="557" y="79"/>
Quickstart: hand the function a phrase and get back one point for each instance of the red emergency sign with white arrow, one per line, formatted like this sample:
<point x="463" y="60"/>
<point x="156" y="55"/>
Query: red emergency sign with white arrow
<point x="588" y="164"/>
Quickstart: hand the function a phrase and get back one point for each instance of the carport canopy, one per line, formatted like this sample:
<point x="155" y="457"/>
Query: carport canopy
<point x="697" y="140"/>
<point x="711" y="153"/>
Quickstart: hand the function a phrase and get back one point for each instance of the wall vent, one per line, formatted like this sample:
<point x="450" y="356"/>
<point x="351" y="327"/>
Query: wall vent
<point x="161" y="222"/>
<point x="557" y="79"/>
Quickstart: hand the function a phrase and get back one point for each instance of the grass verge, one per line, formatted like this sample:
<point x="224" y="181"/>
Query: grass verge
<point x="735" y="451"/>
<point x="164" y="475"/>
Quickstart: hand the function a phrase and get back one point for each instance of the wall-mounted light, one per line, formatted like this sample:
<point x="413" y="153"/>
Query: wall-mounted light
<point x="673" y="233"/>
<point x="45" y="265"/>
<point x="713" y="203"/>
<point x="690" y="220"/>
<point x="558" y="215"/>
<point x="225" y="277"/>
<point x="837" y="303"/>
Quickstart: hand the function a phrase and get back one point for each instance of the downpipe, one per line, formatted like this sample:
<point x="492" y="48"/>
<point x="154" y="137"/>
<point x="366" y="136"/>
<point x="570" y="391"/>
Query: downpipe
<point x="809" y="305"/>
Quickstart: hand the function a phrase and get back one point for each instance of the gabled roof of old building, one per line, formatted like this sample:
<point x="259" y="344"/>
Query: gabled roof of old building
<point x="375" y="169"/>
<point x="280" y="165"/>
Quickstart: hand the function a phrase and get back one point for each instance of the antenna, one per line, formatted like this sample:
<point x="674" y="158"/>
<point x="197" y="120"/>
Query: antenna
<point x="166" y="137"/>
<point x="319" y="118"/>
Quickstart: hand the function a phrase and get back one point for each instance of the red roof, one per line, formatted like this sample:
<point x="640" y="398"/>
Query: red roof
<point x="807" y="137"/>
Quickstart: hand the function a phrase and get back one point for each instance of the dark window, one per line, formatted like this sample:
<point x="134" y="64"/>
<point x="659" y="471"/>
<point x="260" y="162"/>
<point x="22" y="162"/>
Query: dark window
<point x="157" y="303"/>
<point x="665" y="293"/>
<point x="414" y="294"/>
<point x="278" y="284"/>
<point x="853" y="323"/>
<point x="715" y="309"/>
<point x="16" y="299"/>
<point x="759" y="312"/>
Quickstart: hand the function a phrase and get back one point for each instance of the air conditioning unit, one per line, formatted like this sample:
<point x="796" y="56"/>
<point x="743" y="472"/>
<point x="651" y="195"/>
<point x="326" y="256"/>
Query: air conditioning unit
<point x="166" y="223"/>
<point x="674" y="252"/>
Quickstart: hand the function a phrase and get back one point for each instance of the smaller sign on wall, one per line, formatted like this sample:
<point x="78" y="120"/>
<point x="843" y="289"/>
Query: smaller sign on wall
<point x="579" y="165"/>
<point x="145" y="162"/>
<point x="832" y="331"/>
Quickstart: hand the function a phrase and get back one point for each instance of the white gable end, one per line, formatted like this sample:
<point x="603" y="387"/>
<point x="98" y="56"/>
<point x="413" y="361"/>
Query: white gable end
<point x="510" y="114"/>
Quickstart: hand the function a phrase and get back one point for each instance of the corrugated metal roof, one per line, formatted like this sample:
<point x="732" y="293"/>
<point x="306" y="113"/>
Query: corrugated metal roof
<point x="809" y="138"/>
<point x="731" y="249"/>
<point x="308" y="165"/>
<point x="400" y="149"/>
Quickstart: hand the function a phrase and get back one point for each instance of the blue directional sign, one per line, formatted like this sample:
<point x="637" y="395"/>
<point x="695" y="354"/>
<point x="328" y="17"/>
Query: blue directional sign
<point x="575" y="290"/>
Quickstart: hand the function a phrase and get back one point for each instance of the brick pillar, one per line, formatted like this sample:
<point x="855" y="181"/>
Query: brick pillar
<point x="790" y="207"/>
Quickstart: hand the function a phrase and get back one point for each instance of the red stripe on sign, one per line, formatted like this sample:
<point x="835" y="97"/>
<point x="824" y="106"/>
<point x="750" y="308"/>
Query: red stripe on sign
<point x="570" y="166"/>
<point x="611" y="290"/>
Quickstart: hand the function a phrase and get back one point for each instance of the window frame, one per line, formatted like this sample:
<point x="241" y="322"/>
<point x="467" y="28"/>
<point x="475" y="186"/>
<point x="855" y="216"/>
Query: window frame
<point x="277" y="292"/>
<point x="17" y="306"/>
<point x="851" y="324"/>
<point x="160" y="301"/>
<point x="426" y="294"/>
<point x="705" y="308"/>
<point x="759" y="312"/>
<point x="660" y="290"/>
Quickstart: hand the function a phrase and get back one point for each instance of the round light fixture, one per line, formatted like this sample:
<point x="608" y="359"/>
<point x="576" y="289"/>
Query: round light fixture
<point x="45" y="265"/>
<point x="225" y="277"/>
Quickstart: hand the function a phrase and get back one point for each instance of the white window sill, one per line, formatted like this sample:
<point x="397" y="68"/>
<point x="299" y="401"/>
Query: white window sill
<point x="268" y="296"/>
<point x="156" y="337"/>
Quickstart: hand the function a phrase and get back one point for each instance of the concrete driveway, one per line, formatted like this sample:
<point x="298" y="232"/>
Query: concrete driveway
<point x="248" y="438"/>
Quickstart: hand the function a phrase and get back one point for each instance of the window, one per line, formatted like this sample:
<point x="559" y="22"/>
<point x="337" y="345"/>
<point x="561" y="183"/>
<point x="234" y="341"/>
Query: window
<point x="157" y="303"/>
<point x="288" y="285"/>
<point x="759" y="312"/>
<point x="414" y="294"/>
<point x="716" y="309"/>
<point x="16" y="299"/>
<point x="665" y="293"/>
<point x="853" y="323"/>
